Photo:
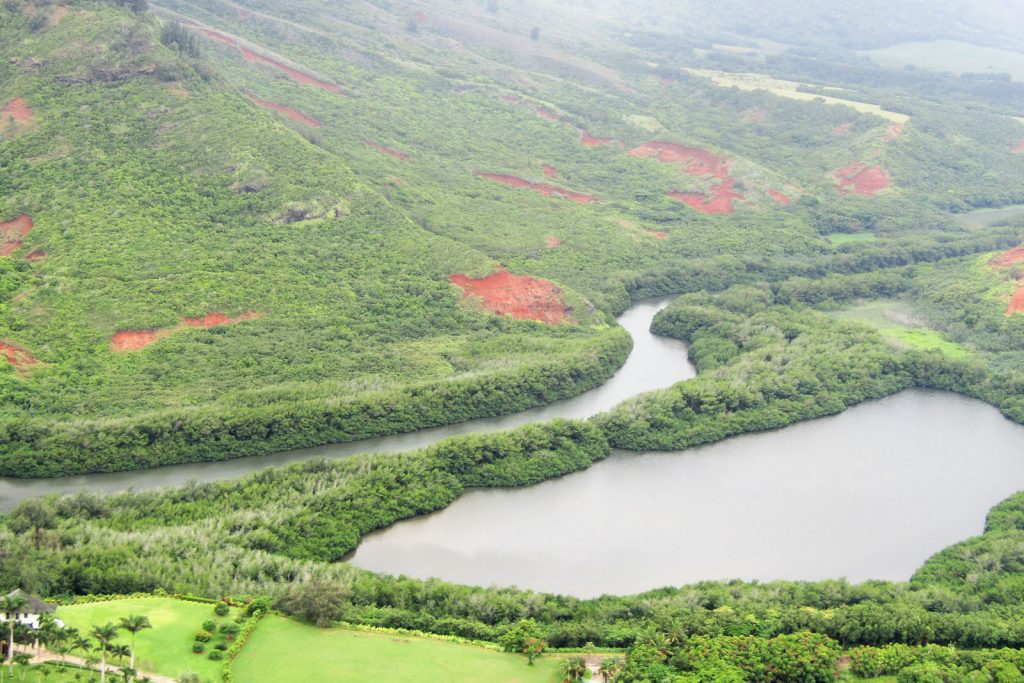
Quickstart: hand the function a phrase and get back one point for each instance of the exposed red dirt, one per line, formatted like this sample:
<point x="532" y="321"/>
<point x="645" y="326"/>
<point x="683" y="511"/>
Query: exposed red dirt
<point x="215" y="319"/>
<point x="1019" y="149"/>
<point x="13" y="232"/>
<point x="859" y="178"/>
<point x="779" y="197"/>
<point x="588" y="140"/>
<point x="133" y="340"/>
<point x="720" y="201"/>
<point x="37" y="255"/>
<point x="843" y="129"/>
<point x="294" y="74"/>
<point x="293" y="114"/>
<point x="1016" y="301"/>
<point x="520" y="296"/>
<point x="697" y="162"/>
<point x="542" y="188"/>
<point x="631" y="226"/>
<point x="545" y="113"/>
<point x="550" y="171"/>
<point x="16" y="109"/>
<point x="894" y="132"/>
<point x="219" y="37"/>
<point x="553" y="242"/>
<point x="16" y="356"/>
<point x="387" y="150"/>
<point x="511" y="99"/>
<point x="1007" y="258"/>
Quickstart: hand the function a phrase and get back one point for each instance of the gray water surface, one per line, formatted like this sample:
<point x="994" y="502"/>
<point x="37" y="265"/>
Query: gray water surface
<point x="983" y="218"/>
<point x="870" y="493"/>
<point x="655" y="363"/>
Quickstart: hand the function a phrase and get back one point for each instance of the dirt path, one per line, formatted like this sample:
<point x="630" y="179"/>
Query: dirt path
<point x="47" y="656"/>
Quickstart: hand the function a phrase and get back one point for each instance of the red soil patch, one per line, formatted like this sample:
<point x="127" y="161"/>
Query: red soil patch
<point x="843" y="129"/>
<point x="779" y="197"/>
<point x="1017" y="300"/>
<point x="16" y="356"/>
<point x="293" y="114"/>
<point x="720" y="201"/>
<point x="387" y="150"/>
<point x="37" y="255"/>
<point x="588" y="140"/>
<point x="550" y="171"/>
<point x="13" y="232"/>
<point x="542" y="188"/>
<point x="16" y="109"/>
<point x="1019" y="149"/>
<point x="553" y="242"/>
<point x="215" y="319"/>
<point x="511" y="99"/>
<point x="1007" y="258"/>
<point x="133" y="340"/>
<point x="521" y="296"/>
<point x="219" y="37"/>
<point x="697" y="162"/>
<point x="294" y="74"/>
<point x="859" y="178"/>
<point x="545" y="113"/>
<point x="894" y="132"/>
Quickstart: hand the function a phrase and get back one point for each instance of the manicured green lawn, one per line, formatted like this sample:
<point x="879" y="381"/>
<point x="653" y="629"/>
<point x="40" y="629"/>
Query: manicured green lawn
<point x="285" y="651"/>
<point x="166" y="648"/>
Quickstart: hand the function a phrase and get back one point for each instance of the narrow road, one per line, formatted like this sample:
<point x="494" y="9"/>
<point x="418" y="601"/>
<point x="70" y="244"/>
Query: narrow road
<point x="44" y="655"/>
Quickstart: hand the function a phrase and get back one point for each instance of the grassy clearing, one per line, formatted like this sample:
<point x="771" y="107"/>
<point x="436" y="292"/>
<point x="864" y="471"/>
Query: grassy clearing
<point x="283" y="651"/>
<point x="951" y="55"/>
<point x="900" y="325"/>
<point x="847" y="237"/>
<point x="790" y="89"/>
<point x="982" y="218"/>
<point x="166" y="648"/>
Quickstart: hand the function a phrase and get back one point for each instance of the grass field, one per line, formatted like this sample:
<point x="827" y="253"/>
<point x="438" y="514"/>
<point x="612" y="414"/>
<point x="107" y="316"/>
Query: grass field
<point x="165" y="649"/>
<point x="951" y="55"/>
<point x="285" y="651"/>
<point x="846" y="237"/>
<point x="790" y="90"/>
<point x="898" y="323"/>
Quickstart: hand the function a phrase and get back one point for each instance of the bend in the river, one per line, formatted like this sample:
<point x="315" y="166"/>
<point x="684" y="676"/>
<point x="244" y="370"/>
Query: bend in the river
<point x="655" y="363"/>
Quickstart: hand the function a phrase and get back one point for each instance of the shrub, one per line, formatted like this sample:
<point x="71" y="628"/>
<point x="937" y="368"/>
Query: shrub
<point x="222" y="609"/>
<point x="203" y="636"/>
<point x="216" y="655"/>
<point x="198" y="647"/>
<point x="210" y="625"/>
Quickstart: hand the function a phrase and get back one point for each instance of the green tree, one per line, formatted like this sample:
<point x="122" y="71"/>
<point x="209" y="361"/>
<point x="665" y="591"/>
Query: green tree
<point x="574" y="670"/>
<point x="10" y="605"/>
<point x="104" y="636"/>
<point x="133" y="624"/>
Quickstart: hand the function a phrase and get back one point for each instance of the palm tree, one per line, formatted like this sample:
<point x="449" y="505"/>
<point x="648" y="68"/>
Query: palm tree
<point x="10" y="605"/>
<point x="574" y="669"/>
<point x="104" y="636"/>
<point x="133" y="624"/>
<point x="81" y="643"/>
<point x="610" y="667"/>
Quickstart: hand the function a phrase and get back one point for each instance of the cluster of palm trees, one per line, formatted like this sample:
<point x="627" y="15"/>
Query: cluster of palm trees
<point x="574" y="669"/>
<point x="96" y="648"/>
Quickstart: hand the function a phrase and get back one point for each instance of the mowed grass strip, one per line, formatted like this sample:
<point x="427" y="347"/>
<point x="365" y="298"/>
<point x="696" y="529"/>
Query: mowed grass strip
<point x="284" y="651"/>
<point x="166" y="648"/>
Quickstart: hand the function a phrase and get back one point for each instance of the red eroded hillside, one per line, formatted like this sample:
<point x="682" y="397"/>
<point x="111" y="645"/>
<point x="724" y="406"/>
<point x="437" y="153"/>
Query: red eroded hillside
<point x="293" y="114"/>
<point x="134" y="340"/>
<point x="1007" y="258"/>
<point x="541" y="188"/>
<point x="16" y="109"/>
<point x="859" y="178"/>
<point x="16" y="356"/>
<point x="696" y="162"/>
<point x="13" y="232"/>
<point x="520" y="296"/>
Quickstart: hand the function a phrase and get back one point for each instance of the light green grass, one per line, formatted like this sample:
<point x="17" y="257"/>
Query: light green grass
<point x="847" y="237"/>
<point x="951" y="55"/>
<point x="790" y="89"/>
<point x="898" y="323"/>
<point x="285" y="651"/>
<point x="166" y="648"/>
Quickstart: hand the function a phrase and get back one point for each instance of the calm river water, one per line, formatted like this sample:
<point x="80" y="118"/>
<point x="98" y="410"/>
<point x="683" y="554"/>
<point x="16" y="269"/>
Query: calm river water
<point x="870" y="493"/>
<point x="655" y="363"/>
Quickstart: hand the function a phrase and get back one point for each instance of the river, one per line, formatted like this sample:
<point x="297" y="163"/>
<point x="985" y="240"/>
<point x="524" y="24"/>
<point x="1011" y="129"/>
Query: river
<point x="654" y="363"/>
<point x="867" y="494"/>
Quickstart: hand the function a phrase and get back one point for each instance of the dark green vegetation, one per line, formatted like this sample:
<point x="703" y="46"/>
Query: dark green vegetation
<point x="162" y="192"/>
